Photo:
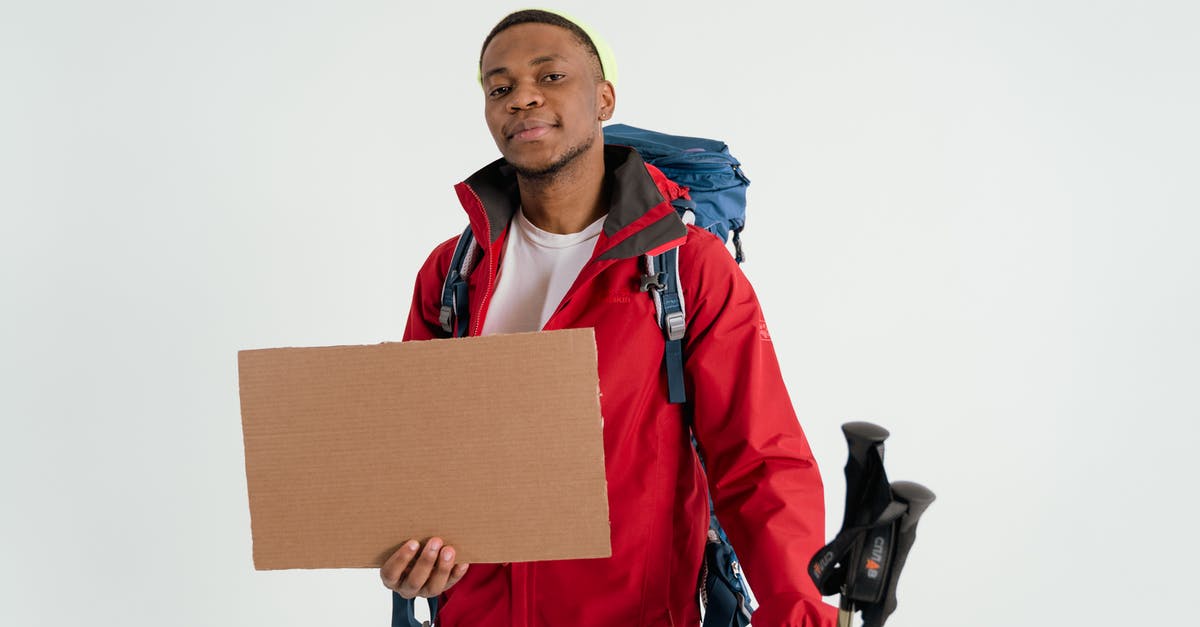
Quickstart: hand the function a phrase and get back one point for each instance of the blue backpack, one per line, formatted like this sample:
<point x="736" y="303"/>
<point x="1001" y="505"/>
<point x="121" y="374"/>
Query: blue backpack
<point x="717" y="188"/>
<point x="713" y="177"/>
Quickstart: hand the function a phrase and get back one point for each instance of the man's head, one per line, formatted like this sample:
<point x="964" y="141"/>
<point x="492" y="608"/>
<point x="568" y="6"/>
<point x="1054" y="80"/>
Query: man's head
<point x="544" y="93"/>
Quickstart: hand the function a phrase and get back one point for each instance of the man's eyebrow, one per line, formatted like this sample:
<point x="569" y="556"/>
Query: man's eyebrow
<point x="494" y="71"/>
<point x="537" y="61"/>
<point x="547" y="58"/>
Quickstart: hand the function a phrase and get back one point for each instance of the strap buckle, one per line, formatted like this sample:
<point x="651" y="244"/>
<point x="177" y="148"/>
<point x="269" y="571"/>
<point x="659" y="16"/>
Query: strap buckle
<point x="676" y="326"/>
<point x="653" y="281"/>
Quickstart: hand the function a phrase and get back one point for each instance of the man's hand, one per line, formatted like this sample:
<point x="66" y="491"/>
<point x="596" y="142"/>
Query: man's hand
<point x="415" y="572"/>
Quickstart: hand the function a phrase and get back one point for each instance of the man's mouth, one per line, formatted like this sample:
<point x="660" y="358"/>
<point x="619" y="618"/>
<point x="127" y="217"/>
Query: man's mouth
<point x="531" y="134"/>
<point x="529" y="130"/>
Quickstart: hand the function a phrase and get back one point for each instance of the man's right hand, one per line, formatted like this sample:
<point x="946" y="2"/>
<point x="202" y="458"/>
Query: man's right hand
<point x="413" y="571"/>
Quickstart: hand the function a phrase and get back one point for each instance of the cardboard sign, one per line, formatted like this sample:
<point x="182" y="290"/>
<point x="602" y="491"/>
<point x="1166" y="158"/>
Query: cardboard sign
<point x="491" y="443"/>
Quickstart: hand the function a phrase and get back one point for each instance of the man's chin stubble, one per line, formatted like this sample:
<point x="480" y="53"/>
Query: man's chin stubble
<point x="553" y="169"/>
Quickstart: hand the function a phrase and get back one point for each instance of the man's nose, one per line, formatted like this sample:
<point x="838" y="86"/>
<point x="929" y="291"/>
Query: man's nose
<point x="525" y="96"/>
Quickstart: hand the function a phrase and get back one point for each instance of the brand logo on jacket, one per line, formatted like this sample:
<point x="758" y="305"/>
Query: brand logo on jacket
<point x="620" y="296"/>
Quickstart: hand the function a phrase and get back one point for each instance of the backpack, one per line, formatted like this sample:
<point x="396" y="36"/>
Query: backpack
<point x="717" y="187"/>
<point x="714" y="178"/>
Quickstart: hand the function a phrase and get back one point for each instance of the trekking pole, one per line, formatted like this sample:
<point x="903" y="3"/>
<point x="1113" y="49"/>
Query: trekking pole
<point x="862" y="473"/>
<point x="917" y="499"/>
<point x="863" y="562"/>
<point x="845" y="613"/>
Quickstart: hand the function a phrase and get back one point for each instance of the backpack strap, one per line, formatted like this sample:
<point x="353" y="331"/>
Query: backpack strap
<point x="404" y="612"/>
<point x="738" y="254"/>
<point x="454" y="315"/>
<point x="722" y="588"/>
<point x="455" y="311"/>
<point x="662" y="282"/>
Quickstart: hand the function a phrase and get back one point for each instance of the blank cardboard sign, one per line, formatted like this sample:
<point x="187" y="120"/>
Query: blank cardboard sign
<point x="492" y="443"/>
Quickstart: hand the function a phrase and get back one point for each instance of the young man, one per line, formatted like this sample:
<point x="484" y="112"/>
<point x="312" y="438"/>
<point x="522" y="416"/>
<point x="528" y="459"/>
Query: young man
<point x="563" y="222"/>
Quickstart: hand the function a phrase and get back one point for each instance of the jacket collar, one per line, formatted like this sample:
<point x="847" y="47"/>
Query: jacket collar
<point x="640" y="217"/>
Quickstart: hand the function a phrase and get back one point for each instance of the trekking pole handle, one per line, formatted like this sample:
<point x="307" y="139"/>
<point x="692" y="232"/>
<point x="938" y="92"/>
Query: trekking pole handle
<point x="918" y="498"/>
<point x="861" y="437"/>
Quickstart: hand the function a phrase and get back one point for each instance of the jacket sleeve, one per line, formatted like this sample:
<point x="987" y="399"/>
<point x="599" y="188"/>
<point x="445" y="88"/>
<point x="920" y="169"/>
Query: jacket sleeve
<point x="423" y="321"/>
<point x="764" y="481"/>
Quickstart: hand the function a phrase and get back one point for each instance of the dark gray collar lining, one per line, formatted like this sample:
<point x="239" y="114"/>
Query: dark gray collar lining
<point x="632" y="193"/>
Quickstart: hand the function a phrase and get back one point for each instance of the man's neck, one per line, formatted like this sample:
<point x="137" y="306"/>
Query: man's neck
<point x="569" y="201"/>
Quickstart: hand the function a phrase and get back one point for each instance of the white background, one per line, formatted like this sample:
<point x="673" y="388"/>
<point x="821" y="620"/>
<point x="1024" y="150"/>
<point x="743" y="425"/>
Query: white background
<point x="974" y="223"/>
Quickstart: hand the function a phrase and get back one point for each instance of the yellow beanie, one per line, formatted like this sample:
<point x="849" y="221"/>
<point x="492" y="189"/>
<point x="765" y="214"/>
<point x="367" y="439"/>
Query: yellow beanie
<point x="608" y="62"/>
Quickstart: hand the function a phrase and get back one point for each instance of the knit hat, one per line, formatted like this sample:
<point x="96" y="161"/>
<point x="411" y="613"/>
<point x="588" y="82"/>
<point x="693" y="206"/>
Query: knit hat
<point x="608" y="62"/>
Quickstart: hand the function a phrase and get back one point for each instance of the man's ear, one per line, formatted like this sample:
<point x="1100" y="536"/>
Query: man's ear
<point x="606" y="99"/>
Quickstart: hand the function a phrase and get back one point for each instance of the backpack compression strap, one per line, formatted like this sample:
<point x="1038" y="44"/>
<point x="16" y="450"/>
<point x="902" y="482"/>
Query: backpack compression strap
<point x="455" y="310"/>
<point x="662" y="281"/>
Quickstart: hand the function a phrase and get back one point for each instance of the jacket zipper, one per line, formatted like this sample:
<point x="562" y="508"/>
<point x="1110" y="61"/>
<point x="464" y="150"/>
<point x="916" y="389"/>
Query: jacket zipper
<point x="487" y="293"/>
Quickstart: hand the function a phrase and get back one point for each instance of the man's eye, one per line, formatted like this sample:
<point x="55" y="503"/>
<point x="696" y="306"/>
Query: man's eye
<point x="554" y="77"/>
<point x="499" y="91"/>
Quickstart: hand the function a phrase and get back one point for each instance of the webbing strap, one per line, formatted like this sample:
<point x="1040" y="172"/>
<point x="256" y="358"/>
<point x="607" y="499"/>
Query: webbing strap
<point x="874" y="561"/>
<point x="673" y="356"/>
<point x="662" y="281"/>
<point x="856" y="563"/>
<point x="404" y="612"/>
<point x="828" y="567"/>
<point x="455" y="311"/>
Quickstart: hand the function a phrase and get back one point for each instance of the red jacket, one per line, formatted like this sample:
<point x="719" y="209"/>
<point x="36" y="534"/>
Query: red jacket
<point x="763" y="477"/>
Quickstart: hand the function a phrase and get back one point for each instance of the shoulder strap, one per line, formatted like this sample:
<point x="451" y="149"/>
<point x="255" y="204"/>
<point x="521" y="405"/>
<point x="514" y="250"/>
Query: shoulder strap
<point x="404" y="613"/>
<point x="662" y="282"/>
<point x="722" y="587"/>
<point x="455" y="311"/>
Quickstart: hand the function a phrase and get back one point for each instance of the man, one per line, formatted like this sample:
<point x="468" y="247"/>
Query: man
<point x="563" y="222"/>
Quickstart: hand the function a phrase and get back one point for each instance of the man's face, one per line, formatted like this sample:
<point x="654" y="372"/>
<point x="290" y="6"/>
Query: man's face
<point x="543" y="103"/>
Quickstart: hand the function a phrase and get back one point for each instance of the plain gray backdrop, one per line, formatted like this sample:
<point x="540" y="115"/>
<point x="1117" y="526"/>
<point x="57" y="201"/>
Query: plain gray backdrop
<point x="974" y="223"/>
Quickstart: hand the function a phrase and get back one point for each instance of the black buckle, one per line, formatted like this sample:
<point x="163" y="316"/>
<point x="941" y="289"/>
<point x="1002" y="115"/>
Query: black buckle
<point x="653" y="281"/>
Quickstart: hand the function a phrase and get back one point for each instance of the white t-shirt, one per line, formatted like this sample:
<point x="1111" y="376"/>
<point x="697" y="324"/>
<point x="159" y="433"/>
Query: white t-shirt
<point x="537" y="270"/>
